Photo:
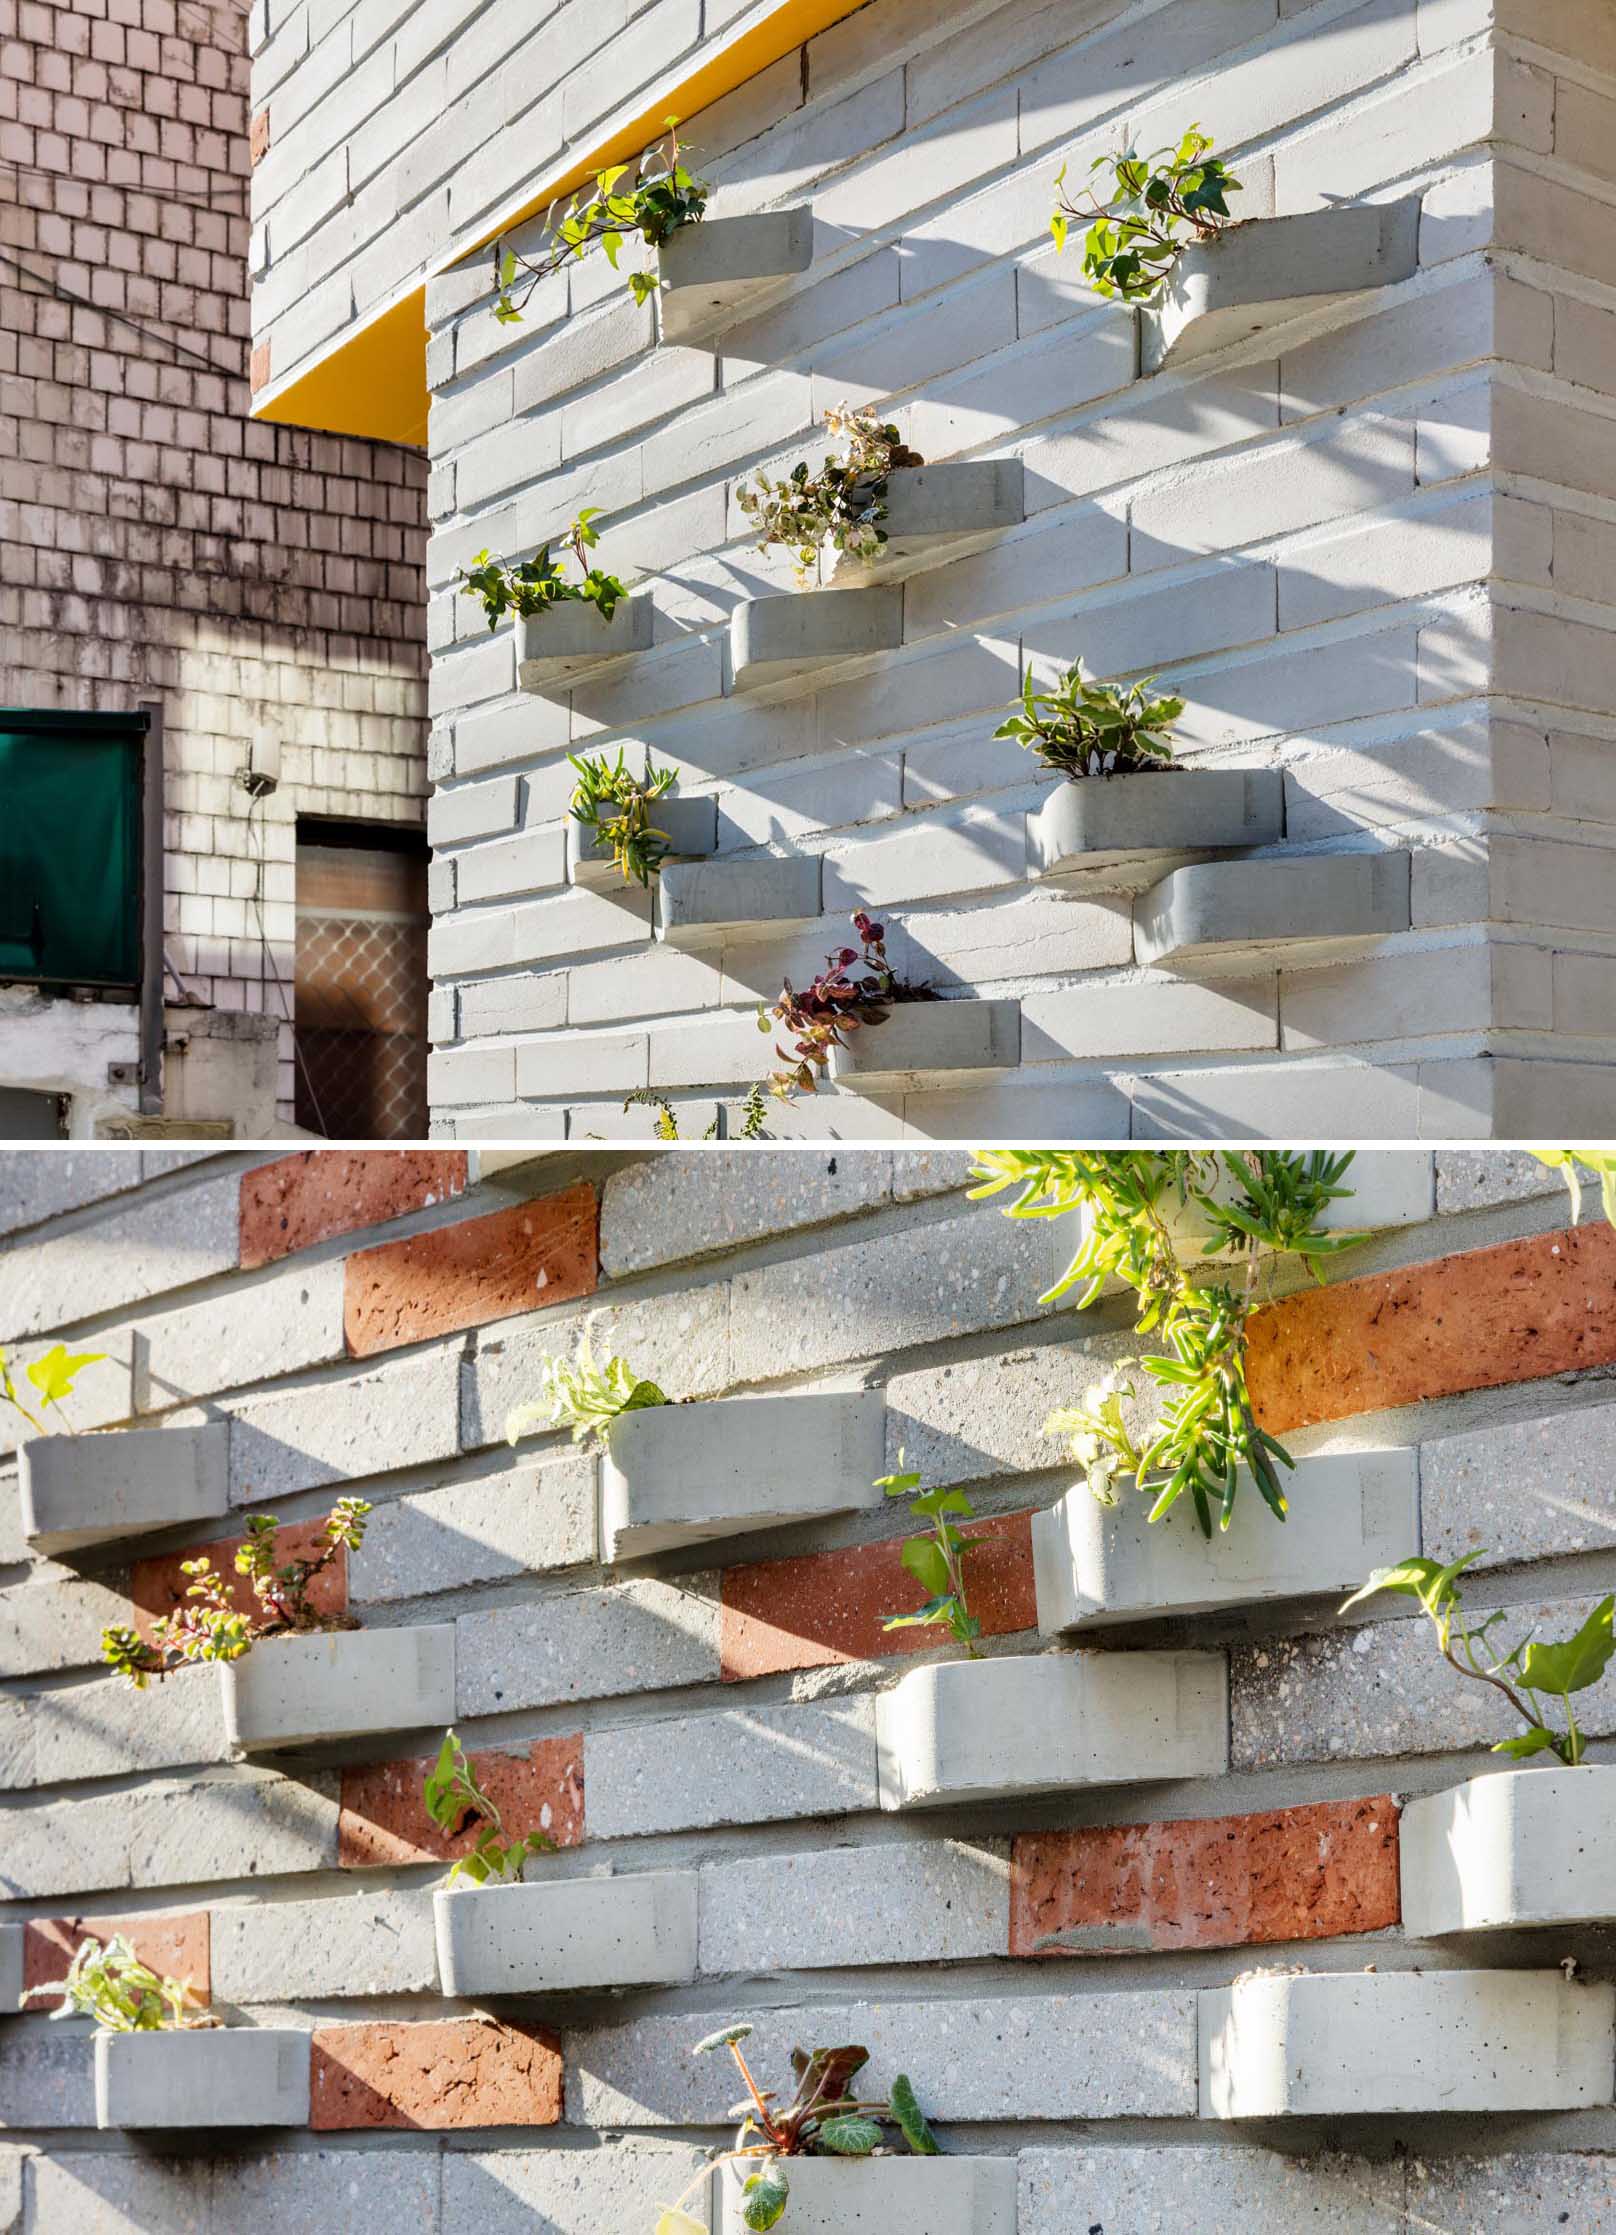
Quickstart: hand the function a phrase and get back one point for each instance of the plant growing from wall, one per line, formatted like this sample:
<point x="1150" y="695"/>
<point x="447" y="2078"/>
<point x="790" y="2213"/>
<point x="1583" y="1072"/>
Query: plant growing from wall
<point x="937" y="1560"/>
<point x="841" y="507"/>
<point x="1537" y="1680"/>
<point x="823" y="2118"/>
<point x="752" y="1112"/>
<point x="1258" y="1209"/>
<point x="52" y="1377"/>
<point x="108" y="1982"/>
<point x="209" y="1628"/>
<point x="1084" y="728"/>
<point x="857" y="987"/>
<point x="1601" y="1162"/>
<point x="455" y="1801"/>
<point x="584" y="1397"/>
<point x="1152" y="209"/>
<point x="534" y="585"/>
<point x="615" y="805"/>
<point x="663" y="196"/>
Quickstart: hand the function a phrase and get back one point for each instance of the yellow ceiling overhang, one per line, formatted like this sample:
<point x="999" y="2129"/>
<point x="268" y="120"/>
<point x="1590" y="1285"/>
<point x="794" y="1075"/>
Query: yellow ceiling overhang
<point x="371" y="380"/>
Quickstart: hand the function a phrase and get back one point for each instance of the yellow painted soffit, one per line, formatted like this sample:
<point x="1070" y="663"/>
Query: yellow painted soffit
<point x="372" y="379"/>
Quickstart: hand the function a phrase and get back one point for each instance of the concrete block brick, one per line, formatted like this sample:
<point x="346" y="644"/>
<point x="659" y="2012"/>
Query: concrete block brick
<point x="65" y="1847"/>
<point x="926" y="858"/>
<point x="737" y="1766"/>
<point x="532" y="861"/>
<point x="292" y="1691"/>
<point x="1274" y="490"/>
<point x="241" y="1826"/>
<point x="1516" y="1490"/>
<point x="658" y="1212"/>
<point x="1119" y="1020"/>
<point x="952" y="2196"/>
<point x="592" y="1063"/>
<point x="1520" y="1848"/>
<point x="128" y="1255"/>
<point x="1351" y="1512"/>
<point x="582" y="350"/>
<point x="519" y="731"/>
<point x="108" y="1729"/>
<point x="614" y="2183"/>
<point x="474" y="1074"/>
<point x="560" y="1935"/>
<point x="84" y="1490"/>
<point x="47" y="2076"/>
<point x="701" y="904"/>
<point x="930" y="1901"/>
<point x="923" y="1042"/>
<point x="401" y="1414"/>
<point x="689" y="829"/>
<point x="238" y="2076"/>
<point x="58" y="1625"/>
<point x="643" y="1636"/>
<point x="683" y="1474"/>
<point x="1131" y="822"/>
<point x="1319" y="2047"/>
<point x="370" y="1943"/>
<point x="11" y="1940"/>
<point x="529" y="1002"/>
<point x="715" y="273"/>
<point x="526" y="1520"/>
<point x="1217" y="912"/>
<point x="1140" y="2188"/>
<point x="36" y="1188"/>
<point x="983" y="1730"/>
<point x="1257" y="275"/>
<point x="570" y="639"/>
<point x="776" y="637"/>
<point x="248" y="1334"/>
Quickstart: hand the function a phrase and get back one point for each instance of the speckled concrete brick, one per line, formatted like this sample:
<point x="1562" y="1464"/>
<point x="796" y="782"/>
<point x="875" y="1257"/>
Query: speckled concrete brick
<point x="919" y="1901"/>
<point x="527" y="1520"/>
<point x="1522" y="1489"/>
<point x="680" y="1341"/>
<point x="618" y="2183"/>
<point x="1145" y="2191"/>
<point x="249" y="1824"/>
<point x="671" y="1207"/>
<point x="738" y="1766"/>
<point x="1522" y="2193"/>
<point x="636" y="1637"/>
<point x="290" y="1951"/>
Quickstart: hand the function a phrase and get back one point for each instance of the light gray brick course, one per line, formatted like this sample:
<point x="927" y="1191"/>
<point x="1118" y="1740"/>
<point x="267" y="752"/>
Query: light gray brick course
<point x="679" y="1341"/>
<point x="640" y="1636"/>
<point x="1143" y="2191"/>
<point x="924" y="1902"/>
<point x="125" y="1257"/>
<point x="369" y="1943"/>
<point x="403" y="1413"/>
<point x="524" y="1520"/>
<point x="744" y="1765"/>
<point x="670" y="1208"/>
<point x="106" y="1728"/>
<point x="619" y="2182"/>
<point x="247" y="1826"/>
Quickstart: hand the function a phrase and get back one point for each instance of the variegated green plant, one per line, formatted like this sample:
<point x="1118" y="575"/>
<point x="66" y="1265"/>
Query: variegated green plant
<point x="1083" y="728"/>
<point x="823" y="2118"/>
<point x="455" y="1801"/>
<point x="584" y="1397"/>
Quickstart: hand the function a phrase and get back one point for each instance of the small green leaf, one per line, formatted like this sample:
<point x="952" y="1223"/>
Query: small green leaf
<point x="924" y="1559"/>
<point x="911" y="2118"/>
<point x="766" y="2196"/>
<point x="850" y="2135"/>
<point x="1582" y="1660"/>
<point x="54" y="1374"/>
<point x="1535" y="1741"/>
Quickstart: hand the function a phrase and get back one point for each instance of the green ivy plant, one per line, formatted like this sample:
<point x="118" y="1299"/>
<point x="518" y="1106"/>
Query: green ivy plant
<point x="1601" y="1162"/>
<point x="615" y="805"/>
<point x="584" y="1397"/>
<point x="663" y="196"/>
<point x="455" y="1801"/>
<point x="533" y="585"/>
<point x="937" y="1560"/>
<point x="840" y="508"/>
<point x="823" y="2118"/>
<point x="52" y="1378"/>
<point x="108" y="1982"/>
<point x="1084" y="728"/>
<point x="1197" y="1302"/>
<point x="209" y="1628"/>
<point x="1530" y="1674"/>
<point x="1153" y="207"/>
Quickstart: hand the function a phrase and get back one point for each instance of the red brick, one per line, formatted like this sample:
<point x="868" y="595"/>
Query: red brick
<point x="176" y="1947"/>
<point x="830" y="1606"/>
<point x="1478" y="1320"/>
<point x="156" y="1585"/>
<point x="258" y="138"/>
<point x="455" y="2072"/>
<point x="258" y="367"/>
<point x="543" y="1252"/>
<point x="384" y="1821"/>
<point x="299" y="1200"/>
<point x="1309" y="1873"/>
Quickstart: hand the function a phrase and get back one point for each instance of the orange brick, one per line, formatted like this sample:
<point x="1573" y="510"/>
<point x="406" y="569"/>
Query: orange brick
<point x="453" y="2072"/>
<point x="156" y="1586"/>
<point x="543" y="1252"/>
<point x="1309" y="1873"/>
<point x="299" y="1200"/>
<point x="258" y="138"/>
<point x="384" y="1821"/>
<point x="258" y="367"/>
<point x="176" y="1947"/>
<point x="1478" y="1320"/>
<point x="830" y="1606"/>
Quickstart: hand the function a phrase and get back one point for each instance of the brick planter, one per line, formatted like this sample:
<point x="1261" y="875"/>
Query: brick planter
<point x="1131" y="826"/>
<point x="681" y="1474"/>
<point x="1351" y="1512"/>
<point x="81" y="1490"/>
<point x="558" y="1935"/>
<point x="1524" y="1847"/>
<point x="216" y="2076"/>
<point x="944" y="508"/>
<point x="988" y="1730"/>
<point x="1220" y="914"/>
<point x="700" y="903"/>
<point x="880" y="2195"/>
<point x="690" y="827"/>
<point x="1258" y="274"/>
<point x="570" y="639"/>
<point x="1323" y="2046"/>
<point x="925" y="1042"/>
<point x="776" y="637"/>
<point x="291" y="1691"/>
<point x="721" y="269"/>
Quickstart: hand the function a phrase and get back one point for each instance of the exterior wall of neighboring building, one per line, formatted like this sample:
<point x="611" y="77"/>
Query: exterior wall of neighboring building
<point x="263" y="584"/>
<point x="362" y="1323"/>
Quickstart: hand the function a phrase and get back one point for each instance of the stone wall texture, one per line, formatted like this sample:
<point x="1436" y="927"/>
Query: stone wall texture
<point x="710" y="1711"/>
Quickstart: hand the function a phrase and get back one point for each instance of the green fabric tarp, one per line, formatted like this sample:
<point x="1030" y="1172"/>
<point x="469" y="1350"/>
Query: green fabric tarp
<point x="70" y="852"/>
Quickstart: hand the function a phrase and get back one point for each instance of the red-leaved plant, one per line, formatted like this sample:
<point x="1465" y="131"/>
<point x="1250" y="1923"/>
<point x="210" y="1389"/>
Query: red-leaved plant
<point x="854" y="988"/>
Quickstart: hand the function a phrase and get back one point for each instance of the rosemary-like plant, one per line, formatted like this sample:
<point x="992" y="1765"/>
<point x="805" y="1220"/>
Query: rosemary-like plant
<point x="615" y="804"/>
<point x="663" y="196"/>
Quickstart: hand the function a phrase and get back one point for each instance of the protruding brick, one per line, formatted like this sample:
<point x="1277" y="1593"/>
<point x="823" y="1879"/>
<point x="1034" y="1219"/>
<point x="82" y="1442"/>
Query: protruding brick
<point x="299" y="1200"/>
<point x="176" y="1947"/>
<point x="458" y="2072"/>
<point x="157" y="1586"/>
<point x="830" y="1606"/>
<point x="384" y="1821"/>
<point x="542" y="1252"/>
<point x="1307" y="1873"/>
<point x="1515" y="1312"/>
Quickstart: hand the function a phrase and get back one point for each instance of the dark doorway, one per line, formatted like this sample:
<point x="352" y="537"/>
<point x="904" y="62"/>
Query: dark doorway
<point x="361" y="980"/>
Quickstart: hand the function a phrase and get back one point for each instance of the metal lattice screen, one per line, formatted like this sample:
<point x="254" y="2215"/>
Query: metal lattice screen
<point x="361" y="992"/>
